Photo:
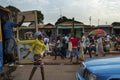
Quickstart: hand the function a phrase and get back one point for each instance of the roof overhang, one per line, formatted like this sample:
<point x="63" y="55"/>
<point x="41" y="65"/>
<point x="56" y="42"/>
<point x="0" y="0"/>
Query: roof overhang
<point x="69" y="27"/>
<point x="116" y="27"/>
<point x="4" y="9"/>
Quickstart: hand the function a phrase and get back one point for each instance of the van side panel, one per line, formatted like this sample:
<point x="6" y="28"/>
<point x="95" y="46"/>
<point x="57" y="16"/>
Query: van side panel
<point x="1" y="48"/>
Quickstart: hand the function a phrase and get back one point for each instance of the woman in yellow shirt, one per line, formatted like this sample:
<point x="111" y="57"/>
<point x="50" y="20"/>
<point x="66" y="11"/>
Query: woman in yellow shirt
<point x="38" y="46"/>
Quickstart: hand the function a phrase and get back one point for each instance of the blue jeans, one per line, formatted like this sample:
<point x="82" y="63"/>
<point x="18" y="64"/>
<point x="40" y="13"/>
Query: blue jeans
<point x="93" y="48"/>
<point x="75" y="52"/>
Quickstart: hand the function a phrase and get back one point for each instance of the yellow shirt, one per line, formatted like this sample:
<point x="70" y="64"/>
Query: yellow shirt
<point x="38" y="46"/>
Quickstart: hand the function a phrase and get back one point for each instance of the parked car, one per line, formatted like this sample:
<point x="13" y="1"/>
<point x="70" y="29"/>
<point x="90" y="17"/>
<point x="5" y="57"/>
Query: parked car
<point x="100" y="69"/>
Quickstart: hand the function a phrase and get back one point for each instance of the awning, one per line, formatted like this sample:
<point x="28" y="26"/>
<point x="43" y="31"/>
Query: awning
<point x="116" y="27"/>
<point x="69" y="27"/>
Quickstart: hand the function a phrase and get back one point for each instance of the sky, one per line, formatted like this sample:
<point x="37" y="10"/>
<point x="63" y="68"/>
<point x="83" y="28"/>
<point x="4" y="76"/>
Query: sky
<point x="101" y="11"/>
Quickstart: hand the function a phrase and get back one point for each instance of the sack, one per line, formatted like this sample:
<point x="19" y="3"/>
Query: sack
<point x="69" y="46"/>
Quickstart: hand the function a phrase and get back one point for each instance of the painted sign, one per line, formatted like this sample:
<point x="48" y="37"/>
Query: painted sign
<point x="23" y="48"/>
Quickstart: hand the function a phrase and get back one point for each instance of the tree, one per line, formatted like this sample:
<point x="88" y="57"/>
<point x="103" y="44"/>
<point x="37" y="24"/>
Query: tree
<point x="116" y="23"/>
<point x="40" y="17"/>
<point x="14" y="11"/>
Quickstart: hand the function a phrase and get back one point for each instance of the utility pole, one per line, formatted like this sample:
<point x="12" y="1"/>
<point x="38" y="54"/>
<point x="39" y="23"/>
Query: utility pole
<point x="106" y="22"/>
<point x="98" y="21"/>
<point x="90" y="20"/>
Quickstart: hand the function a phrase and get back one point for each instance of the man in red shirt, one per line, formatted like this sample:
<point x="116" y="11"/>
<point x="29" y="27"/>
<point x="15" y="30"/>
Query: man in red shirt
<point x="74" y="52"/>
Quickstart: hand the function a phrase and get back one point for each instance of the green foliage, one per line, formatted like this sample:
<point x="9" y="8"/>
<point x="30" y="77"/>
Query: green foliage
<point x="14" y="11"/>
<point x="40" y="17"/>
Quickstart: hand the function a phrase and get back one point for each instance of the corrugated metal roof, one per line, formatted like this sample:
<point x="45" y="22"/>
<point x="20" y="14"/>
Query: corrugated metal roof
<point x="104" y="26"/>
<point x="116" y="27"/>
<point x="5" y="9"/>
<point x="46" y="26"/>
<point x="69" y="27"/>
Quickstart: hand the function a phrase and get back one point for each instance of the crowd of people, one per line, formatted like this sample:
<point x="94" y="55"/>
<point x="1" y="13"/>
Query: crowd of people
<point x="72" y="46"/>
<point x="66" y="46"/>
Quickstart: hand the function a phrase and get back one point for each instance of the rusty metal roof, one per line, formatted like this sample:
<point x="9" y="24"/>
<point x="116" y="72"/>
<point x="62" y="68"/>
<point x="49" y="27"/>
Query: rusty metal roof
<point x="5" y="9"/>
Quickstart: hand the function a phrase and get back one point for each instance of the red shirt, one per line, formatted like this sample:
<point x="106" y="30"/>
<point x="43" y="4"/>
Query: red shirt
<point x="74" y="42"/>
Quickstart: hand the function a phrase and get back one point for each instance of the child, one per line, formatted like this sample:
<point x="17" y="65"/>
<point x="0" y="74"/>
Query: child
<point x="38" y="46"/>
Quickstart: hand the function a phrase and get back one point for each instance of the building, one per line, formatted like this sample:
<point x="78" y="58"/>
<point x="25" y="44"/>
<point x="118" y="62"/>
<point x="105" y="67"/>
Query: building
<point x="116" y="27"/>
<point x="88" y="28"/>
<point x="107" y="28"/>
<point x="49" y="29"/>
<point x="69" y="25"/>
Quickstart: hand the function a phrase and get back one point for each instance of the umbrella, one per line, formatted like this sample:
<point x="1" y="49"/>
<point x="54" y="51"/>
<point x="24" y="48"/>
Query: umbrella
<point x="97" y="32"/>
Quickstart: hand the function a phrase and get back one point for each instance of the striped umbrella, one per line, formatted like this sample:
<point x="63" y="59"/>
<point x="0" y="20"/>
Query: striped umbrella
<point x="97" y="32"/>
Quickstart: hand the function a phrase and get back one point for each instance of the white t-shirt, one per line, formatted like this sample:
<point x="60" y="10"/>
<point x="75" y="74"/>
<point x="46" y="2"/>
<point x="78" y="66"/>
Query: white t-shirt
<point x="67" y="39"/>
<point x="58" y="42"/>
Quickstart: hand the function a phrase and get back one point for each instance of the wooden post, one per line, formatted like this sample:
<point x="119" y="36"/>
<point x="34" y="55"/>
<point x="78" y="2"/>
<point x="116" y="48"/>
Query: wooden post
<point x="72" y="30"/>
<point x="36" y="20"/>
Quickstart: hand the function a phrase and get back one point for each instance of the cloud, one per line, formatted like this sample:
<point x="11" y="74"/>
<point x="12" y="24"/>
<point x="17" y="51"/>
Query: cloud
<point x="105" y="10"/>
<point x="31" y="2"/>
